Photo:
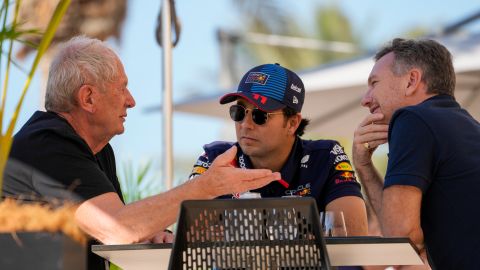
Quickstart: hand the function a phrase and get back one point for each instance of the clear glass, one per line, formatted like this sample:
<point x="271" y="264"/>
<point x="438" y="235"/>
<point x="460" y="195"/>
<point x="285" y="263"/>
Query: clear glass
<point x="333" y="224"/>
<point x="250" y="195"/>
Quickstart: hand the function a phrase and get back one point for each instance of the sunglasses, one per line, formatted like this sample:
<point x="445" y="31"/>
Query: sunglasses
<point x="259" y="117"/>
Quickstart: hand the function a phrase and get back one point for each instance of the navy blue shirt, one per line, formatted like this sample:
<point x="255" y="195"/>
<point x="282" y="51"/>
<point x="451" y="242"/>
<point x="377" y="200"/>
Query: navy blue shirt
<point x="318" y="169"/>
<point x="49" y="162"/>
<point x="435" y="146"/>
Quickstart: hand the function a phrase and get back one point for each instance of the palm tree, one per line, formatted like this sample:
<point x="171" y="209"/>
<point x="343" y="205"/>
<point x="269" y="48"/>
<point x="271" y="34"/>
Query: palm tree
<point x="265" y="18"/>
<point x="100" y="19"/>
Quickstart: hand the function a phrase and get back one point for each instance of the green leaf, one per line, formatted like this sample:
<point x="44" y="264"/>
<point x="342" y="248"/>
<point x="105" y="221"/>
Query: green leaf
<point x="10" y="32"/>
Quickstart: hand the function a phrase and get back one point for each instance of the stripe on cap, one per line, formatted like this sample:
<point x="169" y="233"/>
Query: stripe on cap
<point x="276" y="84"/>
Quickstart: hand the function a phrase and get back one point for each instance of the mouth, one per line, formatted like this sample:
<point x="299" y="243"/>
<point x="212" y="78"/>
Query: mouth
<point x="247" y="139"/>
<point x="374" y="109"/>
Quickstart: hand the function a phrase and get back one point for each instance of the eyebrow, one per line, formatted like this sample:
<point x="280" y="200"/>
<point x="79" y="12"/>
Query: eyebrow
<point x="241" y="102"/>
<point x="246" y="104"/>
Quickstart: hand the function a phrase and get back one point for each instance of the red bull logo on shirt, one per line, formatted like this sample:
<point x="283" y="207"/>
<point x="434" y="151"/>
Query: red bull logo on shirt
<point x="345" y="177"/>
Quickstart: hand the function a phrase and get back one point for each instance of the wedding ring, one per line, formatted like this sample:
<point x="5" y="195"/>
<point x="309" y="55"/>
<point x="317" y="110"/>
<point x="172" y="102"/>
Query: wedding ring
<point x="366" y="145"/>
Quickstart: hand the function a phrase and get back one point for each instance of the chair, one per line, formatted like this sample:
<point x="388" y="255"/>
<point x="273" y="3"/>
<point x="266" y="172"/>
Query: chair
<point x="271" y="233"/>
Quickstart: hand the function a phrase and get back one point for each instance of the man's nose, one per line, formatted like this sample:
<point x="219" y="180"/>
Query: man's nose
<point x="130" y="100"/>
<point x="247" y="121"/>
<point x="366" y="99"/>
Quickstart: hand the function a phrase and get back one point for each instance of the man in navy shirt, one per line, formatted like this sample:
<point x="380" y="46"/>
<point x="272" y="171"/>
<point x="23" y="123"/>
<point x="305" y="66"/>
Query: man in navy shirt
<point x="432" y="184"/>
<point x="268" y="125"/>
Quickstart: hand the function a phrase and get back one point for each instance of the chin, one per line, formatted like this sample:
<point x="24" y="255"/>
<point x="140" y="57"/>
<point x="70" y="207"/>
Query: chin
<point x="250" y="151"/>
<point x="121" y="131"/>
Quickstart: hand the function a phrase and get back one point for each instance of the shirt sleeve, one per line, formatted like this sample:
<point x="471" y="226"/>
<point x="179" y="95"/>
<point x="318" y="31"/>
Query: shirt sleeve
<point x="201" y="166"/>
<point x="341" y="179"/>
<point x="71" y="172"/>
<point x="411" y="150"/>
<point x="62" y="172"/>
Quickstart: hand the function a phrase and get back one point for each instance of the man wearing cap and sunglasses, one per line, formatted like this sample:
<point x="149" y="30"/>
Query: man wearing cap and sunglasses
<point x="268" y="124"/>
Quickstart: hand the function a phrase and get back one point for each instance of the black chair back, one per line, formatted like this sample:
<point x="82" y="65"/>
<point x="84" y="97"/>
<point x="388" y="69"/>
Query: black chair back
<point x="272" y="233"/>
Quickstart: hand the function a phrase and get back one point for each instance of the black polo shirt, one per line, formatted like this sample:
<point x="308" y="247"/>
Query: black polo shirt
<point x="50" y="162"/>
<point x="435" y="146"/>
<point x="318" y="169"/>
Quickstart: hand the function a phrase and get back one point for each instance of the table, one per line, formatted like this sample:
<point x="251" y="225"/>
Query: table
<point x="343" y="251"/>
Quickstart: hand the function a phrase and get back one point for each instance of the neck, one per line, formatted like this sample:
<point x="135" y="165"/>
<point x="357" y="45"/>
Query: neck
<point x="274" y="160"/>
<point x="79" y="123"/>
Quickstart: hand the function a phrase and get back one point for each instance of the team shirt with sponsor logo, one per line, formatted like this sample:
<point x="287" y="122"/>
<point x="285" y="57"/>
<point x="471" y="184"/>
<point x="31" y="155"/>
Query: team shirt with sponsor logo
<point x="319" y="169"/>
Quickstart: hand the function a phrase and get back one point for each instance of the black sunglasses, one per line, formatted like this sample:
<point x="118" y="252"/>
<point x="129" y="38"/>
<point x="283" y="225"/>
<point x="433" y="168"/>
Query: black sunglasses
<point x="238" y="112"/>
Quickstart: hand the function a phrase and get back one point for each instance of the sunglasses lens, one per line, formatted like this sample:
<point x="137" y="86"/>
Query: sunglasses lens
<point x="237" y="113"/>
<point x="259" y="117"/>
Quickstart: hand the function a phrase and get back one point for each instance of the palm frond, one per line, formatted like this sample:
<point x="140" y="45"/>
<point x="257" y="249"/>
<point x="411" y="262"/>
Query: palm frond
<point x="12" y="33"/>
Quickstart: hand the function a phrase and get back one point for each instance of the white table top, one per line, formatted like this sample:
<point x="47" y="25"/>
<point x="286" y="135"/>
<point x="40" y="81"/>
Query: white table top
<point x="342" y="251"/>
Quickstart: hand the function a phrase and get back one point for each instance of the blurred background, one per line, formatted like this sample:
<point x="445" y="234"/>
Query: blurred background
<point x="328" y="43"/>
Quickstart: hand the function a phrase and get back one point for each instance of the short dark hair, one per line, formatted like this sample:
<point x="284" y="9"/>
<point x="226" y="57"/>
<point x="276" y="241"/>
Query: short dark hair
<point x="430" y="56"/>
<point x="288" y="112"/>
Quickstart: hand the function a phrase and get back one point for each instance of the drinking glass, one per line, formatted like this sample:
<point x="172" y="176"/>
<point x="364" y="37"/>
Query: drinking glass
<point x="282" y="225"/>
<point x="333" y="224"/>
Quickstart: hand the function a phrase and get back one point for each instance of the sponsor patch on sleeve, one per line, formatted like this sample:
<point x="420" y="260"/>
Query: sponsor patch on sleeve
<point x="344" y="166"/>
<point x="198" y="170"/>
<point x="339" y="154"/>
<point x="200" y="166"/>
<point x="345" y="177"/>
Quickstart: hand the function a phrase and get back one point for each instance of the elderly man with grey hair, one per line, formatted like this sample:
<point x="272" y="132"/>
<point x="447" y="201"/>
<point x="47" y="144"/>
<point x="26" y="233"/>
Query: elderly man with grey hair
<point x="64" y="153"/>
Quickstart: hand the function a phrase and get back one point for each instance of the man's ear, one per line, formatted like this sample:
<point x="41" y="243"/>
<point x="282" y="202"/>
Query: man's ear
<point x="414" y="81"/>
<point x="294" y="122"/>
<point x="86" y="97"/>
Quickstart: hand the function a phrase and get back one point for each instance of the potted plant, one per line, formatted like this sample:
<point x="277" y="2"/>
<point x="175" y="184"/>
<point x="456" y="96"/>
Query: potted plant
<point x="32" y="236"/>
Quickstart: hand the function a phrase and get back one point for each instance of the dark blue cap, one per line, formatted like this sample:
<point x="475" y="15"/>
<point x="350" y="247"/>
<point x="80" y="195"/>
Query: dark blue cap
<point x="270" y="87"/>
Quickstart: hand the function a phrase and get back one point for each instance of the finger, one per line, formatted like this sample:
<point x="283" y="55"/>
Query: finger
<point x="375" y="128"/>
<point x="259" y="182"/>
<point x="369" y="126"/>
<point x="371" y="118"/>
<point x="226" y="158"/>
<point x="373" y="136"/>
<point x="169" y="237"/>
<point x="367" y="137"/>
<point x="253" y="174"/>
<point x="376" y="143"/>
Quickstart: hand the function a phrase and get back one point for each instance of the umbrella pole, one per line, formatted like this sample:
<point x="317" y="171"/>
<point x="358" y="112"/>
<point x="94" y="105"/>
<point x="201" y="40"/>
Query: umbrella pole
<point x="167" y="161"/>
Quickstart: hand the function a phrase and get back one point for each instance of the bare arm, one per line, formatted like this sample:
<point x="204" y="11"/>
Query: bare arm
<point x="400" y="214"/>
<point x="397" y="208"/>
<point x="374" y="135"/>
<point x="107" y="219"/>
<point x="354" y="212"/>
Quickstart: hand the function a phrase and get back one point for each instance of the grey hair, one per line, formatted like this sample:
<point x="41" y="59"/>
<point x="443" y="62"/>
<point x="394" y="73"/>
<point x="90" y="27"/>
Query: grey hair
<point x="81" y="60"/>
<point x="430" y="56"/>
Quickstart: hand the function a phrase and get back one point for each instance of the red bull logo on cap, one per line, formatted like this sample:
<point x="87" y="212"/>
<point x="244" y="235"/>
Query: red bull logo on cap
<point x="257" y="77"/>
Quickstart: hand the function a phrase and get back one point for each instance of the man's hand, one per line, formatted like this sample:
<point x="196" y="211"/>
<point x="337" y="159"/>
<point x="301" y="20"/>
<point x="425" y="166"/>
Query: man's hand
<point x="223" y="178"/>
<point x="163" y="237"/>
<point x="367" y="137"/>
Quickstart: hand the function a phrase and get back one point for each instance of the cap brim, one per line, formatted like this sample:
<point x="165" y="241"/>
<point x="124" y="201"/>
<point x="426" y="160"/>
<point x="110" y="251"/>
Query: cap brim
<point x="263" y="103"/>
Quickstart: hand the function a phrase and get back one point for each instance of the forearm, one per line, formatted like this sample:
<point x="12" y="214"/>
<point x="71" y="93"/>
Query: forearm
<point x="354" y="212"/>
<point x="373" y="184"/>
<point x="107" y="219"/>
<point x="151" y="215"/>
<point x="401" y="215"/>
